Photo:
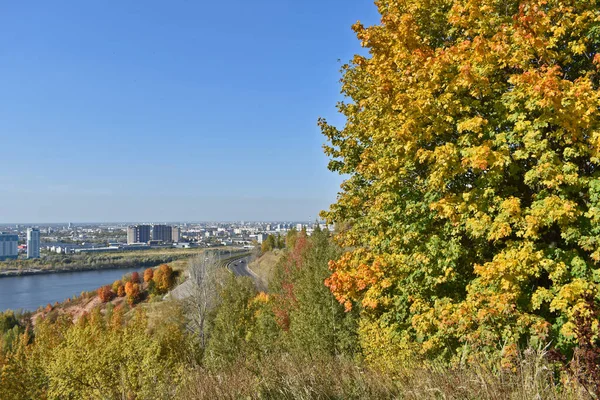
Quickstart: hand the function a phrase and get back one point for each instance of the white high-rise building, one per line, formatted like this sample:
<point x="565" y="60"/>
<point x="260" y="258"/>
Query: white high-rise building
<point x="33" y="243"/>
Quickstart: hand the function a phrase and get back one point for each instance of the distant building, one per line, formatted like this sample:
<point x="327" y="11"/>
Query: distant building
<point x="33" y="243"/>
<point x="163" y="233"/>
<point x="176" y="234"/>
<point x="9" y="246"/>
<point x="138" y="234"/>
<point x="261" y="237"/>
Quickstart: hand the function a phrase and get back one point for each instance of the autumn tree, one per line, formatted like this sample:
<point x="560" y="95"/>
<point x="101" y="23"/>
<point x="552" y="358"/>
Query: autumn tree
<point x="163" y="278"/>
<point x="116" y="284"/>
<point x="318" y="324"/>
<point x="280" y="241"/>
<point x="133" y="293"/>
<point x="135" y="277"/>
<point x="472" y="201"/>
<point x="10" y="329"/>
<point x="148" y="275"/>
<point x="105" y="293"/>
<point x="314" y="323"/>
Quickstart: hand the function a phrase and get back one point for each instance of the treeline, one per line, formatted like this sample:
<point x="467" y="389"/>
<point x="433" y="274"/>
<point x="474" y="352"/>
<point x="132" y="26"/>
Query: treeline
<point x="278" y="241"/>
<point x="79" y="262"/>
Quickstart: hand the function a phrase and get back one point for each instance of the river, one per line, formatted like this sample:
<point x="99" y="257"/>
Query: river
<point x="31" y="291"/>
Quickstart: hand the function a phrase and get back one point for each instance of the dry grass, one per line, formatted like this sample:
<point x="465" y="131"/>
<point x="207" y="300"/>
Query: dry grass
<point x="284" y="378"/>
<point x="264" y="266"/>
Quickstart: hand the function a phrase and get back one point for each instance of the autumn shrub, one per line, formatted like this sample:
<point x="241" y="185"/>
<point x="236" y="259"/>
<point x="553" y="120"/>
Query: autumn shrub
<point x="135" y="277"/>
<point x="105" y="293"/>
<point x="585" y="365"/>
<point x="148" y="275"/>
<point x="98" y="357"/>
<point x="470" y="213"/>
<point x="118" y="288"/>
<point x="163" y="279"/>
<point x="133" y="292"/>
<point x="115" y="285"/>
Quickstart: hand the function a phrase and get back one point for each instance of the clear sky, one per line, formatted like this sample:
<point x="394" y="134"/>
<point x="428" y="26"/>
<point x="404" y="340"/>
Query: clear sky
<point x="170" y="110"/>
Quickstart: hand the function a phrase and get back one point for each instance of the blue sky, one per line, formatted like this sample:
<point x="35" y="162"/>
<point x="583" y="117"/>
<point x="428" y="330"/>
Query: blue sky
<point x="170" y="110"/>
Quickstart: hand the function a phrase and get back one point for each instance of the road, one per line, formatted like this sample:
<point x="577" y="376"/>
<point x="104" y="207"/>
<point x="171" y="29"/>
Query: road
<point x="240" y="267"/>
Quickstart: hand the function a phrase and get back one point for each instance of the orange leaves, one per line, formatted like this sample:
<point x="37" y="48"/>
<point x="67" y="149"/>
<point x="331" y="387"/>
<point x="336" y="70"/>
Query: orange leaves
<point x="148" y="275"/>
<point x="106" y="294"/>
<point x="133" y="293"/>
<point x="354" y="274"/>
<point x="163" y="278"/>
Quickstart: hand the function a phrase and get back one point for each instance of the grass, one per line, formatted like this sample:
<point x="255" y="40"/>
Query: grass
<point x="288" y="378"/>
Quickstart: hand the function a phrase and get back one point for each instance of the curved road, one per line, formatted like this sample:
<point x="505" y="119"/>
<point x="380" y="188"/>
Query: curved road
<point x="240" y="267"/>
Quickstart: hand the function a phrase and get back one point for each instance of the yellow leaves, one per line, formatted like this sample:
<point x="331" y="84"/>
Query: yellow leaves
<point x="357" y="273"/>
<point x="511" y="267"/>
<point x="559" y="272"/>
<point x="499" y="230"/>
<point x="572" y="297"/>
<point x="261" y="298"/>
<point x="446" y="208"/>
<point x="480" y="158"/>
<point x="550" y="210"/>
<point x="540" y="296"/>
<point x="475" y="125"/>
<point x="385" y="346"/>
<point x="478" y="225"/>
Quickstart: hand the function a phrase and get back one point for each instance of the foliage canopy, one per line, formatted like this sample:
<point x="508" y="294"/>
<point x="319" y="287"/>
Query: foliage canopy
<point x="472" y="206"/>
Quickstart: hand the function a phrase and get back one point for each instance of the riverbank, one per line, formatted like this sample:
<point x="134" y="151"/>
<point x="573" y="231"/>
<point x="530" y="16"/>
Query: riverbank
<point x="28" y="272"/>
<point x="30" y="292"/>
<point x="78" y="263"/>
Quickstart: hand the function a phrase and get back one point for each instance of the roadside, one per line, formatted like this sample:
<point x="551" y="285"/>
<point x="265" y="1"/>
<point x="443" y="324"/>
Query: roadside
<point x="184" y="289"/>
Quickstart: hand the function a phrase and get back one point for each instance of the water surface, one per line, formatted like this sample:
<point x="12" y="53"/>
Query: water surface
<point x="31" y="291"/>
